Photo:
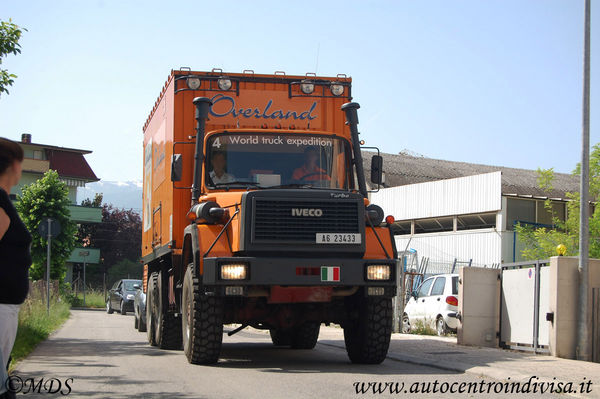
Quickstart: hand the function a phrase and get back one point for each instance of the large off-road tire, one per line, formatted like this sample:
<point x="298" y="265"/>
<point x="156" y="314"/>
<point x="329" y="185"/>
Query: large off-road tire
<point x="306" y="335"/>
<point x="202" y="322"/>
<point x="141" y="323"/>
<point x="280" y="337"/>
<point x="167" y="327"/>
<point x="109" y="309"/>
<point x="149" y="307"/>
<point x="368" y="338"/>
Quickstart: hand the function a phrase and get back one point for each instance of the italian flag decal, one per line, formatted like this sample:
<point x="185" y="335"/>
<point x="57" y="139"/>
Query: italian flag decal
<point x="330" y="273"/>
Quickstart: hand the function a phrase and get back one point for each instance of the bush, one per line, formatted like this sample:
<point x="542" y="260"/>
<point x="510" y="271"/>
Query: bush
<point x="420" y="327"/>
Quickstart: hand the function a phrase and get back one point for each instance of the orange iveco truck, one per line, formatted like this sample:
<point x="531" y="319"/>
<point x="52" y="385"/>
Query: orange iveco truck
<point x="256" y="212"/>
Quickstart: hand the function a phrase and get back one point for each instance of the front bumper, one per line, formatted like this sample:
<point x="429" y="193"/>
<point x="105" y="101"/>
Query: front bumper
<point x="264" y="271"/>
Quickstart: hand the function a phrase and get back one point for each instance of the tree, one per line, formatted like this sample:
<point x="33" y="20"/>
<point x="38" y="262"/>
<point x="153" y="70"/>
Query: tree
<point x="9" y="44"/>
<point x="541" y="242"/>
<point x="48" y="197"/>
<point x="118" y="237"/>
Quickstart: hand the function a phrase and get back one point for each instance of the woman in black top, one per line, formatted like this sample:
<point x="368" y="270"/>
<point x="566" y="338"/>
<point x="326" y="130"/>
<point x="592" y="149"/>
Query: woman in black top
<point x="15" y="257"/>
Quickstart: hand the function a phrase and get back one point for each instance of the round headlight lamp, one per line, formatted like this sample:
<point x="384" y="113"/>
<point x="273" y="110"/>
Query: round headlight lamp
<point x="193" y="82"/>
<point x="224" y="83"/>
<point x="336" y="89"/>
<point x="307" y="86"/>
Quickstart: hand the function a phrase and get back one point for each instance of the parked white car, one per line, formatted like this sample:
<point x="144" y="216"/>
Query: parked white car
<point x="435" y="302"/>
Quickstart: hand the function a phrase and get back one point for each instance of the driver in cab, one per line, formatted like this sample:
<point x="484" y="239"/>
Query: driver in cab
<point x="310" y="171"/>
<point x="218" y="174"/>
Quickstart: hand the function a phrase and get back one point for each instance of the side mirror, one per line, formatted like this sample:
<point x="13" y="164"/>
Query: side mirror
<point x="377" y="169"/>
<point x="176" y="167"/>
<point x="136" y="287"/>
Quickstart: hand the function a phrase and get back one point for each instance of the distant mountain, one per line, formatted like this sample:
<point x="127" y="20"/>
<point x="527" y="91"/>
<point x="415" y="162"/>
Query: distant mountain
<point x="120" y="194"/>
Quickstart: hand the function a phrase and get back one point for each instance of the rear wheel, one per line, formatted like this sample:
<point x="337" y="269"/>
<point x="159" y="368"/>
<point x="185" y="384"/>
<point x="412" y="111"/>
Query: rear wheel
<point x="149" y="306"/>
<point x="441" y="327"/>
<point x="368" y="337"/>
<point x="141" y="323"/>
<point x="167" y="327"/>
<point x="306" y="336"/>
<point x="280" y="337"/>
<point x="405" y="324"/>
<point x="202" y="322"/>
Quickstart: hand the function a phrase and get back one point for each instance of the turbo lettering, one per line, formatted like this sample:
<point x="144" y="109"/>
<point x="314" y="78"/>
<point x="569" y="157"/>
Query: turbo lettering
<point x="258" y="113"/>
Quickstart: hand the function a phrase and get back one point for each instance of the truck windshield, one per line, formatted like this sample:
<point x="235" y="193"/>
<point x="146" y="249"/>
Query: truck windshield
<point x="277" y="160"/>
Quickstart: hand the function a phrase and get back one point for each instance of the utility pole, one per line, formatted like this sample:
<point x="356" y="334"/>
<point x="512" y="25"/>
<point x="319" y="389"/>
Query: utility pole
<point x="583" y="337"/>
<point x="49" y="242"/>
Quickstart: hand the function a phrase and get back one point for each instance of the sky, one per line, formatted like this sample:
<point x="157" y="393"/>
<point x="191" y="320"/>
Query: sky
<point x="496" y="82"/>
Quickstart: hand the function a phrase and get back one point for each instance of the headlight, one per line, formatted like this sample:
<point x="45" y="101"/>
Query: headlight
<point x="233" y="271"/>
<point x="129" y="296"/>
<point x="224" y="84"/>
<point x="378" y="272"/>
<point x="336" y="89"/>
<point x="307" y="86"/>
<point x="193" y="82"/>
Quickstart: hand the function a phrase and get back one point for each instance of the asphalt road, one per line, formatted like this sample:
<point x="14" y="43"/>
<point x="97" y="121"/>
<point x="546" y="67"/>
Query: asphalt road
<point x="107" y="358"/>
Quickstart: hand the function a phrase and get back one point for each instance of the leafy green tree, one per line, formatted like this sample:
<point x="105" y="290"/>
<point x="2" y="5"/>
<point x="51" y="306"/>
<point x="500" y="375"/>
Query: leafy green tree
<point x="541" y="242"/>
<point x="48" y="197"/>
<point x="9" y="44"/>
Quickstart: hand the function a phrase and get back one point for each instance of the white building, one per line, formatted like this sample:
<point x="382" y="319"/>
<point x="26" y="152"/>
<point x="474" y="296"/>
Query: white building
<point x="457" y="212"/>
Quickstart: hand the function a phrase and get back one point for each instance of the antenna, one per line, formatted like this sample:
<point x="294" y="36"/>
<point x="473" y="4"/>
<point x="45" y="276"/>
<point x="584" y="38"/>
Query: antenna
<point x="317" y="62"/>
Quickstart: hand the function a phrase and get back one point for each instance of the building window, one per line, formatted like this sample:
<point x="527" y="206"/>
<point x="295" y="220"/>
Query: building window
<point x="434" y="225"/>
<point x="544" y="216"/>
<point x="476" y="221"/>
<point x="38" y="154"/>
<point x="519" y="210"/>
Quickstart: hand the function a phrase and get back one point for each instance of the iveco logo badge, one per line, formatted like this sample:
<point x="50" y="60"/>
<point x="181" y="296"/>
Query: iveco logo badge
<point x="313" y="212"/>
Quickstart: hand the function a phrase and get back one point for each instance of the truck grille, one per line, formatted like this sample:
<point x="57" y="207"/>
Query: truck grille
<point x="274" y="220"/>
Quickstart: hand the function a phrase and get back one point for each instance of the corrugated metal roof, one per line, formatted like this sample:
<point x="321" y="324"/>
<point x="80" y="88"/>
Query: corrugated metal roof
<point x="403" y="169"/>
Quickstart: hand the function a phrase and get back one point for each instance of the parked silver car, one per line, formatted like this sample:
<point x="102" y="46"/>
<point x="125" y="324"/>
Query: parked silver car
<point x="434" y="303"/>
<point x="139" y="308"/>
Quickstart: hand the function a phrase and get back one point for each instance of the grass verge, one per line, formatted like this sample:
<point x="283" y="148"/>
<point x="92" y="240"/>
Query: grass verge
<point x="93" y="299"/>
<point x="35" y="325"/>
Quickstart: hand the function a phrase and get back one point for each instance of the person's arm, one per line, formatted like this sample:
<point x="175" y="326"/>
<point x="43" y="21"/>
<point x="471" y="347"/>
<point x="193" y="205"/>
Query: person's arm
<point x="4" y="223"/>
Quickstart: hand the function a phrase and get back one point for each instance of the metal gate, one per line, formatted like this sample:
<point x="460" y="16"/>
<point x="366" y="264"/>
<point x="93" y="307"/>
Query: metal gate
<point x="524" y="305"/>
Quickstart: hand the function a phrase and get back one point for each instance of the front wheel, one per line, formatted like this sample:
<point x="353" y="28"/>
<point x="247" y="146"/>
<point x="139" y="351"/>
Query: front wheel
<point x="109" y="310"/>
<point x="368" y="337"/>
<point x="122" y="308"/>
<point x="201" y="322"/>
